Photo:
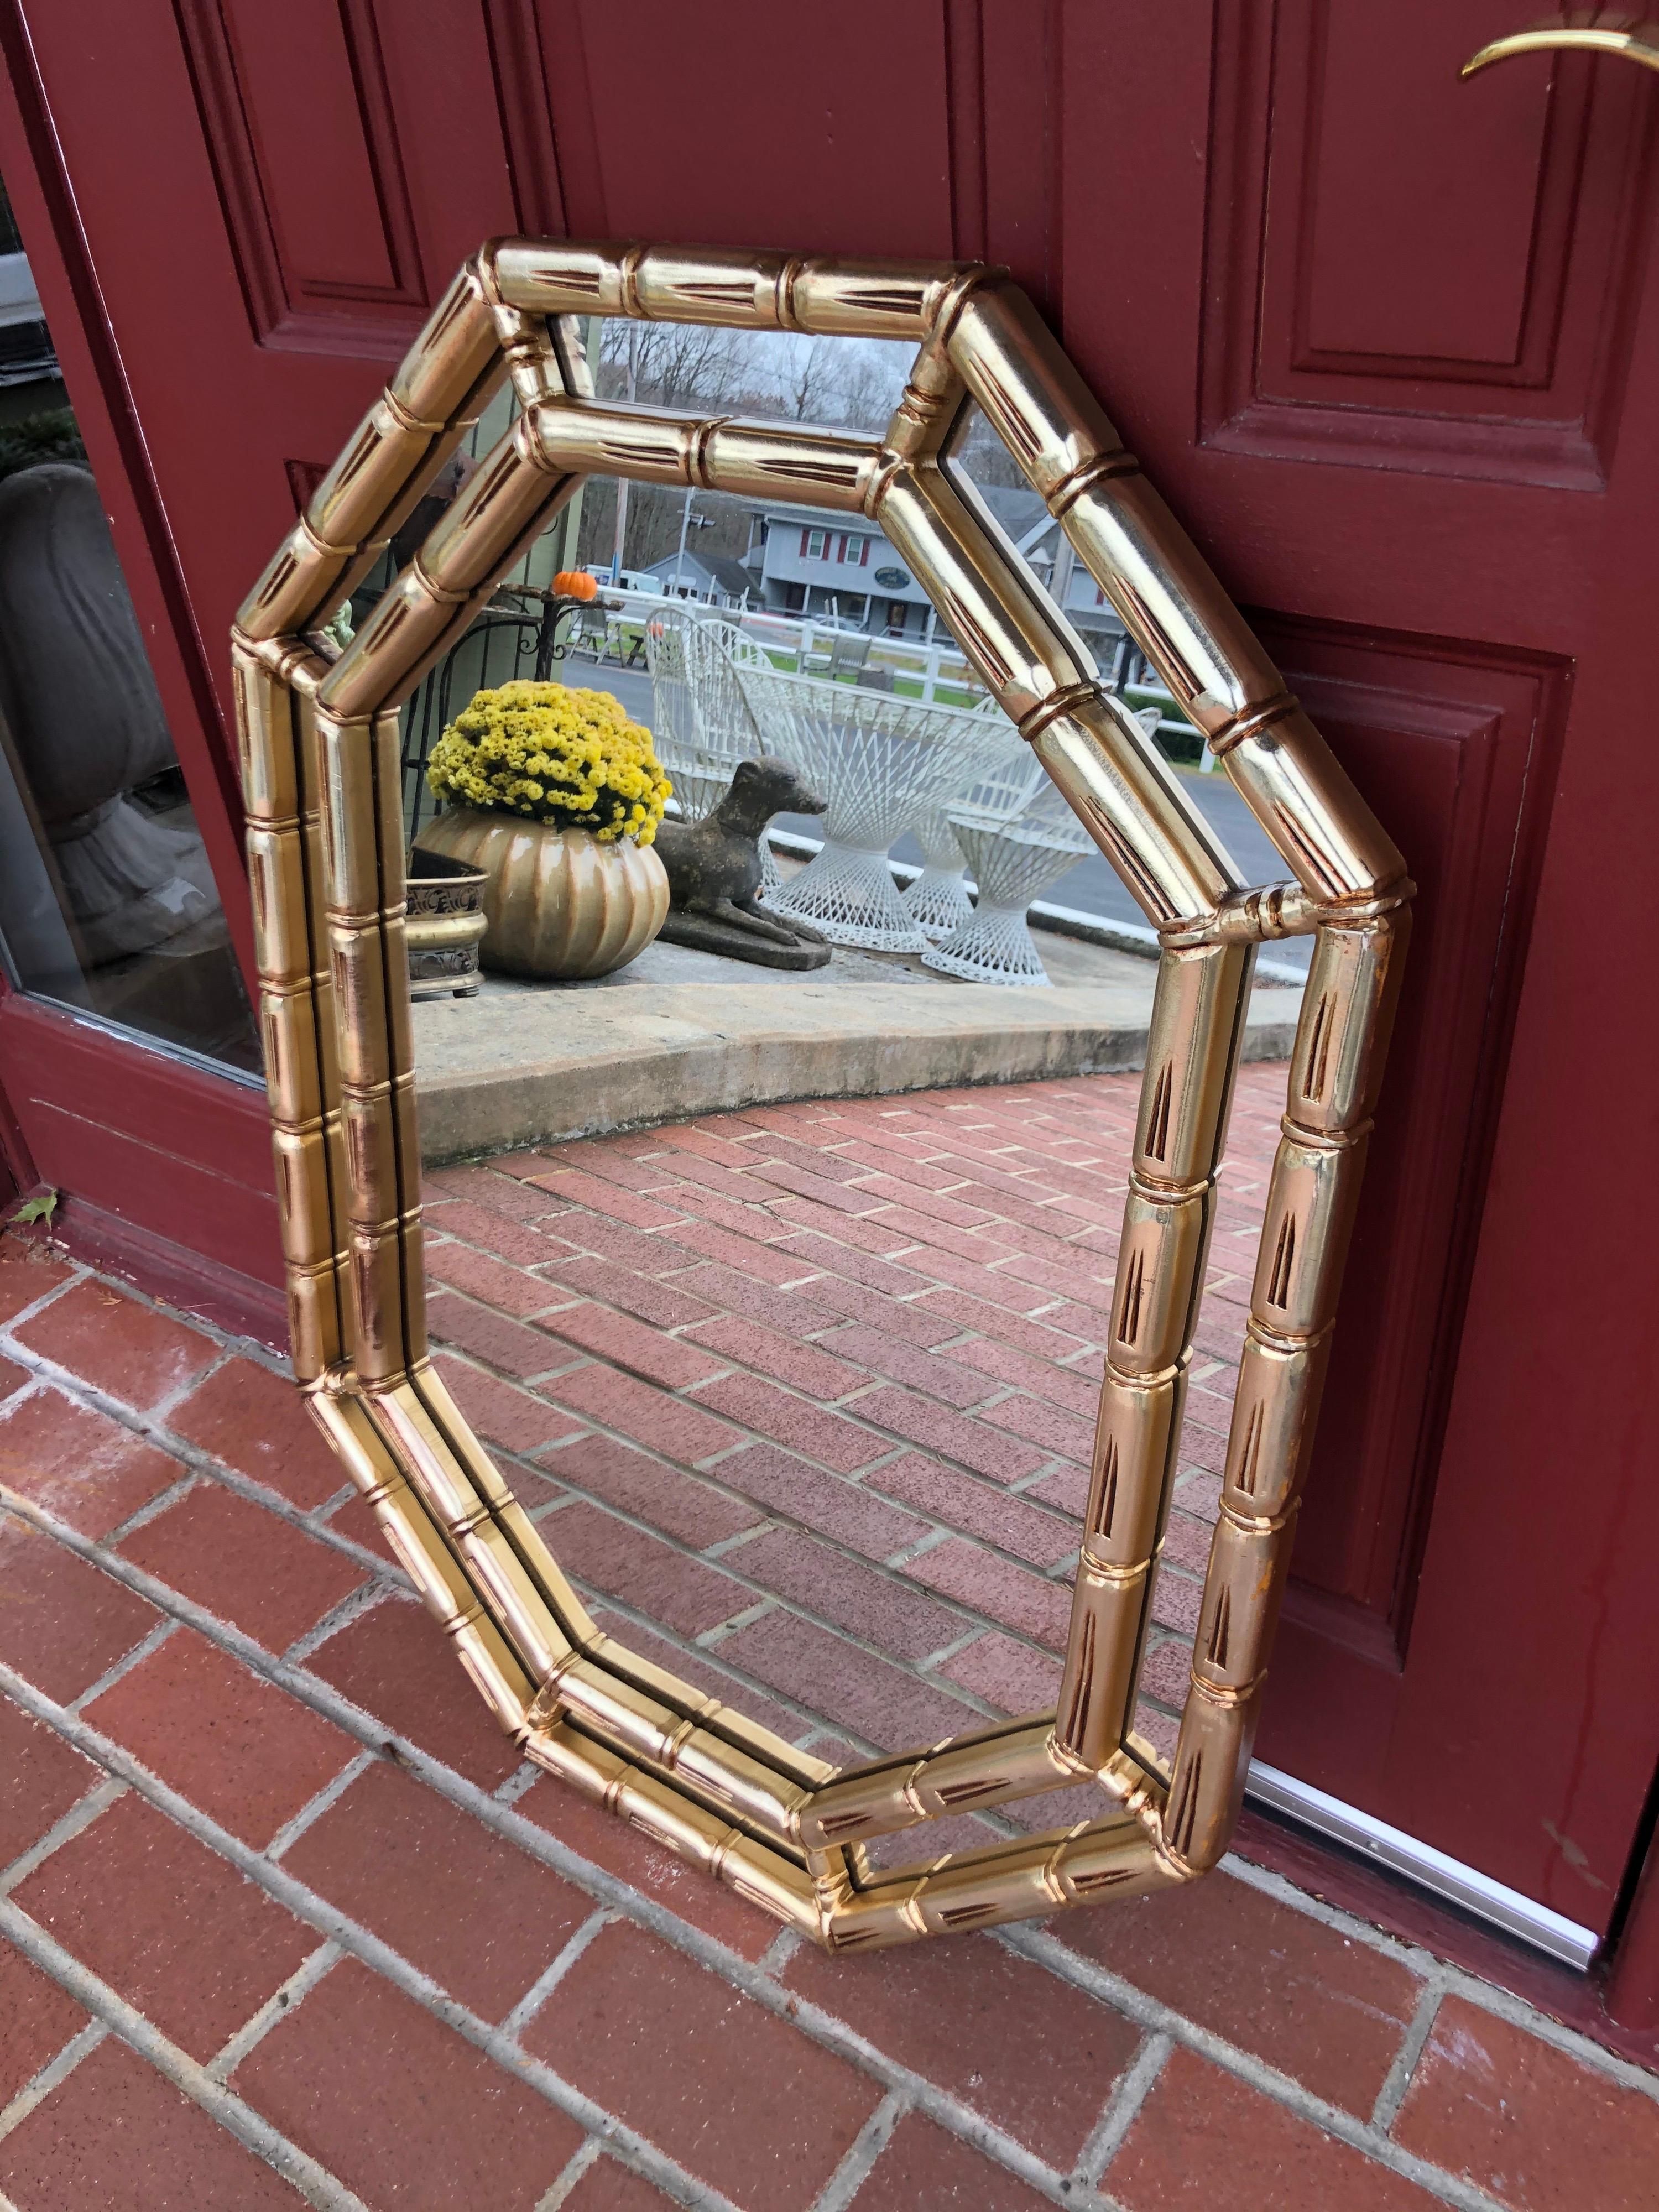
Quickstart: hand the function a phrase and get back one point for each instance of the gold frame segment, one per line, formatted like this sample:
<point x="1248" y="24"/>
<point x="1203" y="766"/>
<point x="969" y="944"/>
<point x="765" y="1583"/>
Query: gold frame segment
<point x="320" y="774"/>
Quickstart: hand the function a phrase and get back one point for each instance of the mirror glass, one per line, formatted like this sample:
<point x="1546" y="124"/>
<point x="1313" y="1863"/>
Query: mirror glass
<point x="799" y="1376"/>
<point x="107" y="902"/>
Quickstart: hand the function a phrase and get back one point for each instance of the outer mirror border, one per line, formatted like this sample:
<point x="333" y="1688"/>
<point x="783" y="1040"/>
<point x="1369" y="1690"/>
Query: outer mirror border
<point x="321" y="774"/>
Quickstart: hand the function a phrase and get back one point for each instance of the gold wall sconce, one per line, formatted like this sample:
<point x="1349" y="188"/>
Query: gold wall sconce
<point x="320" y="764"/>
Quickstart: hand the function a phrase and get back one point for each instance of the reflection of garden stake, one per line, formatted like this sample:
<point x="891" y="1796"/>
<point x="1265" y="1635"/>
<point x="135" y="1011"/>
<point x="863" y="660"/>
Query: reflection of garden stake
<point x="714" y="873"/>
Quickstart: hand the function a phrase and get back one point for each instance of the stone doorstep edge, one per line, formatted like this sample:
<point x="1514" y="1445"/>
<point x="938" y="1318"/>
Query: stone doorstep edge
<point x="470" y="1114"/>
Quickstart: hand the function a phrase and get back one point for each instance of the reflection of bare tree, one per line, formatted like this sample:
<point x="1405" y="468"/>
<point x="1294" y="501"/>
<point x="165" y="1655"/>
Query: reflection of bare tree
<point x="854" y="382"/>
<point x="807" y="377"/>
<point x="667" y="364"/>
<point x="980" y="454"/>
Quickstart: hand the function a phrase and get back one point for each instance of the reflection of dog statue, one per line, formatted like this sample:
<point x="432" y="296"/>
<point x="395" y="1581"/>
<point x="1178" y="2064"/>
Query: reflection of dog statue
<point x="714" y="872"/>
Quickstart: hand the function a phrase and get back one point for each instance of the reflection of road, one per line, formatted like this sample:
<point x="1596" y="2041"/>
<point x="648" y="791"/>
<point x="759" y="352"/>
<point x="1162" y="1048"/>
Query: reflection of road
<point x="1093" y="886"/>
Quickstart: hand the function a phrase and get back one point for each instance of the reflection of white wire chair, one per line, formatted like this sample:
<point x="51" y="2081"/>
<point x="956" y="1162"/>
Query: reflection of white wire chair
<point x="715" y="652"/>
<point x="1014" y="858"/>
<point x="674" y="715"/>
<point x="703" y="725"/>
<point x="881" y="760"/>
<point x="938" y="901"/>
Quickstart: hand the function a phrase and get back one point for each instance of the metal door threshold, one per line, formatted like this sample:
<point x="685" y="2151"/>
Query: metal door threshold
<point x="1475" y="1893"/>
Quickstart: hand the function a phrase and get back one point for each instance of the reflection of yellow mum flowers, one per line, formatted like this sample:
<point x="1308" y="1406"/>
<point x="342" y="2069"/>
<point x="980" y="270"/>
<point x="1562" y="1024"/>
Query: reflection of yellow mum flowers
<point x="572" y="758"/>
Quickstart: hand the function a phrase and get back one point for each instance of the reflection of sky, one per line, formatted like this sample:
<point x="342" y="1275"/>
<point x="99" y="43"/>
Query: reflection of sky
<point x="1093" y="886"/>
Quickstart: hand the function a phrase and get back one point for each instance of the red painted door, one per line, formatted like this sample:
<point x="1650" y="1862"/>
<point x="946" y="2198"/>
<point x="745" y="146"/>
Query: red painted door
<point x="1390" y="345"/>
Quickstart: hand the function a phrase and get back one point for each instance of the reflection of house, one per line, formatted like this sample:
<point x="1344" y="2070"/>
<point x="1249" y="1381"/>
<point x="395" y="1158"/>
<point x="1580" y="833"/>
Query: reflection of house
<point x="810" y="561"/>
<point x="714" y="577"/>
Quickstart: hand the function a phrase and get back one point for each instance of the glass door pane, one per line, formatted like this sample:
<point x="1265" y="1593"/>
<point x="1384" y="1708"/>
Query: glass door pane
<point x="107" y="902"/>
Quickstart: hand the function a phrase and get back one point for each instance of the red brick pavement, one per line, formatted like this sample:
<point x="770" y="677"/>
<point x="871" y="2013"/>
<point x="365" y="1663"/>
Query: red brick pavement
<point x="801" y="1398"/>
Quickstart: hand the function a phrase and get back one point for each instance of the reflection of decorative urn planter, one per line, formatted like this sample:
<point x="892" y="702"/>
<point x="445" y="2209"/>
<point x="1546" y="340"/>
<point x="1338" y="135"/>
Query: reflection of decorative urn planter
<point x="446" y="922"/>
<point x="557" y="902"/>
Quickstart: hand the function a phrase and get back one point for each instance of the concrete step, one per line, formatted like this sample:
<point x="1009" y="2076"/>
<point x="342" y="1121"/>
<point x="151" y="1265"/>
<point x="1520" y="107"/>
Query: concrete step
<point x="682" y="1033"/>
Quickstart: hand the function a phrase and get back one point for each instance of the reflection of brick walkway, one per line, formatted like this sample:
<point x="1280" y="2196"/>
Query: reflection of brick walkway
<point x="813" y="1386"/>
<point x="807" y="1390"/>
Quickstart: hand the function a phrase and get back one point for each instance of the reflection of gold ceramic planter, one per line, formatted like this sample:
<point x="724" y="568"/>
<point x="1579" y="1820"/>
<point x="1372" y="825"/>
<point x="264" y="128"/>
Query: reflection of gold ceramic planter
<point x="557" y="902"/>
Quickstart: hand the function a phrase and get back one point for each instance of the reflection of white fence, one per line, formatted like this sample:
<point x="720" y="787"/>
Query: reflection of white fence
<point x="935" y="667"/>
<point x="938" y="670"/>
<point x="935" y="671"/>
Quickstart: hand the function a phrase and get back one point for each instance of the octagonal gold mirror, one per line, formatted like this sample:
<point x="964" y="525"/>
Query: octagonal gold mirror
<point x="321" y="772"/>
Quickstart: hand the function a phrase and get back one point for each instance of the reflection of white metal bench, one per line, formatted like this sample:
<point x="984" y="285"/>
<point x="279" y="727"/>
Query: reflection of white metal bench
<point x="625" y="638"/>
<point x="881" y="760"/>
<point x="848" y="652"/>
<point x="1014" y="861"/>
<point x="1015" y="857"/>
<point x="593" y="631"/>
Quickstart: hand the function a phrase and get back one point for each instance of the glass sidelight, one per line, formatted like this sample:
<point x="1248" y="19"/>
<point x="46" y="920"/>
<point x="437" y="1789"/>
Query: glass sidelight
<point x="107" y="900"/>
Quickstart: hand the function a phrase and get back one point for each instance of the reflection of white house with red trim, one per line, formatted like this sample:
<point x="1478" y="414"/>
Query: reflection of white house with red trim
<point x="807" y="560"/>
<point x="815" y="563"/>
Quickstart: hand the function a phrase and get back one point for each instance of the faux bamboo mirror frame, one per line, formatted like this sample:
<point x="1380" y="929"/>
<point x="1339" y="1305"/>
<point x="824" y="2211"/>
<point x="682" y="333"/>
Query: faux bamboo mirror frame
<point x="320" y="768"/>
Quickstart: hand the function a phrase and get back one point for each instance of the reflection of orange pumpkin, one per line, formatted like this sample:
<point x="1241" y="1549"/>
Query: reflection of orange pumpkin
<point x="576" y="584"/>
